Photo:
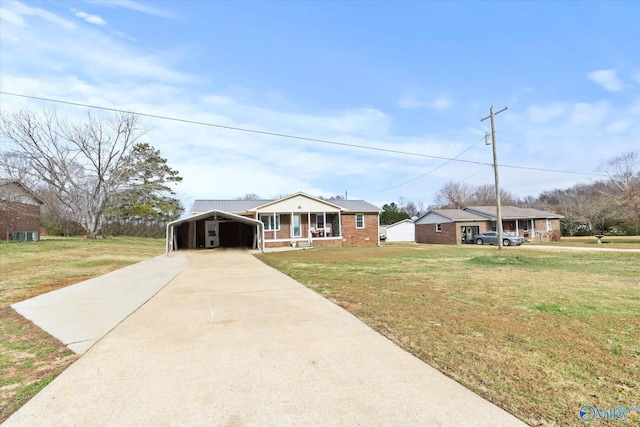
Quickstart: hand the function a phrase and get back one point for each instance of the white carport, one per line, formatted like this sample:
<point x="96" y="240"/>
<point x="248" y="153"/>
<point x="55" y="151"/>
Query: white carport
<point x="212" y="229"/>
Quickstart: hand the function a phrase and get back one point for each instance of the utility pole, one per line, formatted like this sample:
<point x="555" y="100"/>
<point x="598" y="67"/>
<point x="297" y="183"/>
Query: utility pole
<point x="495" y="172"/>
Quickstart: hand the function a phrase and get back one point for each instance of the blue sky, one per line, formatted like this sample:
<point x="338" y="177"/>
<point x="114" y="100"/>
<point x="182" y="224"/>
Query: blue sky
<point x="413" y="77"/>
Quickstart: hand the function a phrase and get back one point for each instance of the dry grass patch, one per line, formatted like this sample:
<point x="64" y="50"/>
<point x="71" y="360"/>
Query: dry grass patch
<point x="29" y="357"/>
<point x="538" y="333"/>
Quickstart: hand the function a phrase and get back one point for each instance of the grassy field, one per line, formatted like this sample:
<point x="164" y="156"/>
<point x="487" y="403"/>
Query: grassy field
<point x="539" y="333"/>
<point x="29" y="357"/>
<point x="610" y="242"/>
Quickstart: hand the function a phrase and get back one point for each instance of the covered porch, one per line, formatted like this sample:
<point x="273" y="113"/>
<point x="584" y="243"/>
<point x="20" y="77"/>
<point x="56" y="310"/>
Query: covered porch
<point x="301" y="228"/>
<point x="300" y="220"/>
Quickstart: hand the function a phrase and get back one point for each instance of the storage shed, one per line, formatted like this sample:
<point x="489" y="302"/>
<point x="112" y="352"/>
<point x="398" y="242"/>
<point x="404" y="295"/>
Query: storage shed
<point x="401" y="231"/>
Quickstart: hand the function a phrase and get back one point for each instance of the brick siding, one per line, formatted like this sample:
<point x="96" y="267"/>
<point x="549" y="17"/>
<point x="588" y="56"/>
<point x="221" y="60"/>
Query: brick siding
<point x="18" y="217"/>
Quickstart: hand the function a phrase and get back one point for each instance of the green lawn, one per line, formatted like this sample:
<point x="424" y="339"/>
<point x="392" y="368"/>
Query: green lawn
<point x="538" y="333"/>
<point x="29" y="357"/>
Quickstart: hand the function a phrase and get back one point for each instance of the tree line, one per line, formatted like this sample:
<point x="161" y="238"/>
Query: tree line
<point x="97" y="177"/>
<point x="607" y="206"/>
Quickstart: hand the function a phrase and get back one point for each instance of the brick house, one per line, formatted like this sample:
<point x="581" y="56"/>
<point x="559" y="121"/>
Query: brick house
<point x="19" y="211"/>
<point x="460" y="226"/>
<point x="295" y="220"/>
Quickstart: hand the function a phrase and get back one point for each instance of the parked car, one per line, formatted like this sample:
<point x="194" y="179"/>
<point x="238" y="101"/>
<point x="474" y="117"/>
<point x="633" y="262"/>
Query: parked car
<point x="491" y="238"/>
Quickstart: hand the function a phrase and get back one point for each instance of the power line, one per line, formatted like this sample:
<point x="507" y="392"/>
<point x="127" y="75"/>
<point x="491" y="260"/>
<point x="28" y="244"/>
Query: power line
<point x="463" y="180"/>
<point x="431" y="171"/>
<point x="281" y="135"/>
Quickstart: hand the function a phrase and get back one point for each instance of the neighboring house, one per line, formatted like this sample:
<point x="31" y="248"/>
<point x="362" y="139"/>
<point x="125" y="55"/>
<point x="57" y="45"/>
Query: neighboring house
<point x="19" y="211"/>
<point x="295" y="220"/>
<point x="401" y="231"/>
<point x="460" y="226"/>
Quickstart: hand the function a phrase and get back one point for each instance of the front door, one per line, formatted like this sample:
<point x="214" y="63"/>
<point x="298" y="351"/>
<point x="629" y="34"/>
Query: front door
<point x="296" y="228"/>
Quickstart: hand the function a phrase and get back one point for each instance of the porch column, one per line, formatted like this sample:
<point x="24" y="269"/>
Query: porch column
<point x="533" y="229"/>
<point x="324" y="220"/>
<point x="275" y="233"/>
<point x="340" y="222"/>
<point x="517" y="228"/>
<point x="309" y="224"/>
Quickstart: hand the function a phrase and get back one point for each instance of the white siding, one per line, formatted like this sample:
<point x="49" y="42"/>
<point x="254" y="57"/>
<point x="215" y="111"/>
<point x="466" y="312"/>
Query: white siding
<point x="404" y="231"/>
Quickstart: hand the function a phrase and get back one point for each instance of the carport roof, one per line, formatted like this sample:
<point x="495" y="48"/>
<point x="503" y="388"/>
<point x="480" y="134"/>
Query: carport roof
<point x="216" y="213"/>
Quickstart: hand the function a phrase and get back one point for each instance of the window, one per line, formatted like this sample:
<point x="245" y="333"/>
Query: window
<point x="549" y="225"/>
<point x="438" y="228"/>
<point x="319" y="222"/>
<point x="269" y="225"/>
<point x="359" y="220"/>
<point x="525" y="226"/>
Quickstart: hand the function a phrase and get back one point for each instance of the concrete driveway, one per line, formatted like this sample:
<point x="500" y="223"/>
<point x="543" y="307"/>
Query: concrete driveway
<point x="231" y="342"/>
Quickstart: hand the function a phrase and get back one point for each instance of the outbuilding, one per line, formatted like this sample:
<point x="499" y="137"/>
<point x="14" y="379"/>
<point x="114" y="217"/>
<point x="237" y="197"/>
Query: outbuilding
<point x="401" y="231"/>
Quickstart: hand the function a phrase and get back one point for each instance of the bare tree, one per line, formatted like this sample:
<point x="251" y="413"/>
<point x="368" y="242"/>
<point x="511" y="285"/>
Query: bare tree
<point x="485" y="195"/>
<point x="84" y="164"/>
<point x="454" y="195"/>
<point x="412" y="209"/>
<point x="623" y="187"/>
<point x="622" y="170"/>
<point x="250" y="196"/>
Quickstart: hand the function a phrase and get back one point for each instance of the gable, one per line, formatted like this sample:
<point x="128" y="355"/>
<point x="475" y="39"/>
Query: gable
<point x="298" y="203"/>
<point x="16" y="192"/>
<point x="405" y="223"/>
<point x="438" y="216"/>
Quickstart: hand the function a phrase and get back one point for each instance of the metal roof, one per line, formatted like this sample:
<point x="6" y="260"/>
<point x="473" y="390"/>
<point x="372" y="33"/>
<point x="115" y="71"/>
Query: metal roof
<point x="356" y="205"/>
<point x="246" y="205"/>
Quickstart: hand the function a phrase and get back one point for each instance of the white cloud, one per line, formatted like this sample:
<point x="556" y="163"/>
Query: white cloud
<point x="441" y="103"/>
<point x="542" y="114"/>
<point x="22" y="9"/>
<point x="585" y="114"/>
<point x="607" y="79"/>
<point x="92" y="19"/>
<point x="135" y="5"/>
<point x="410" y="103"/>
<point x="620" y="126"/>
<point x="11" y="16"/>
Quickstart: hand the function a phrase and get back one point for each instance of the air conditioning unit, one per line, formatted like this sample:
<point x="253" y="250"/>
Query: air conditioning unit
<point x="24" y="236"/>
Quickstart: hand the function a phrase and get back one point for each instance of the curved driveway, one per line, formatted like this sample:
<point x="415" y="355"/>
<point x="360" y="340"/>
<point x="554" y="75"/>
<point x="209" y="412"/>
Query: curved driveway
<point x="232" y="342"/>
